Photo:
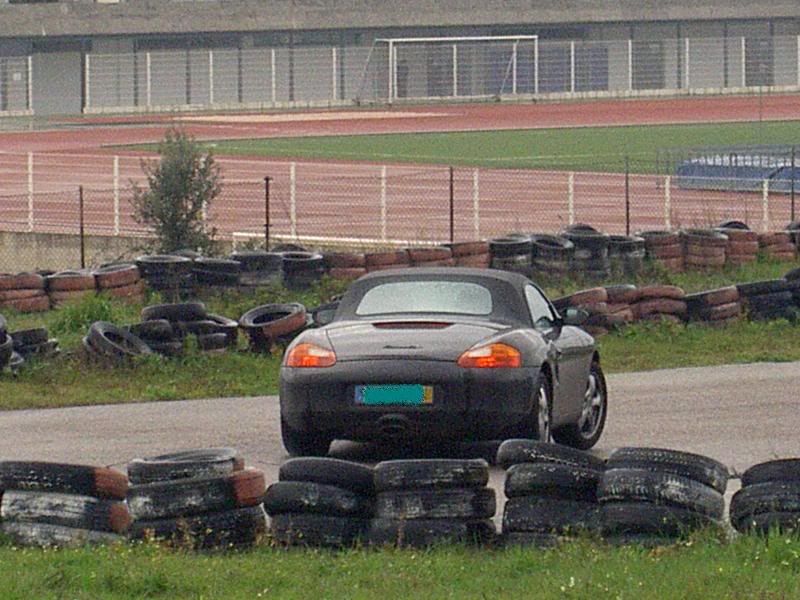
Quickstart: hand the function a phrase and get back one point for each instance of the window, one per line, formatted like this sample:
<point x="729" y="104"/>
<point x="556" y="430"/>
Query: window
<point x="458" y="297"/>
<point x="541" y="313"/>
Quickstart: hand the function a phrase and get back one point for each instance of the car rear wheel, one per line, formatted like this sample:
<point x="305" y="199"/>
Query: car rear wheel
<point x="304" y="443"/>
<point x="585" y="433"/>
<point x="537" y="425"/>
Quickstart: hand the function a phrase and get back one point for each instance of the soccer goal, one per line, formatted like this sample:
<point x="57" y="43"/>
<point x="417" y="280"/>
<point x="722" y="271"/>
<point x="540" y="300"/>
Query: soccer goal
<point x="450" y="67"/>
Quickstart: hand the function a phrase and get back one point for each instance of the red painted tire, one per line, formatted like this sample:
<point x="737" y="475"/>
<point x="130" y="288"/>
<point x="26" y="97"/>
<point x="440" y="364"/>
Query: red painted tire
<point x="344" y="260"/>
<point x="658" y="306"/>
<point x="590" y="296"/>
<point x="740" y="235"/>
<point x="21" y="281"/>
<point x="447" y="262"/>
<point x="69" y="282"/>
<point x="661" y="291"/>
<point x="427" y="255"/>
<point x="463" y="249"/>
<point x="19" y="294"/>
<point x="771" y="239"/>
<point x="116" y="276"/>
<point x="133" y="290"/>
<point x="705" y="251"/>
<point x="389" y="258"/>
<point x="667" y="251"/>
<point x="743" y="247"/>
<point x="39" y="303"/>
<point x="623" y="294"/>
<point x="653" y="239"/>
<point x="477" y="261"/>
<point x="347" y="272"/>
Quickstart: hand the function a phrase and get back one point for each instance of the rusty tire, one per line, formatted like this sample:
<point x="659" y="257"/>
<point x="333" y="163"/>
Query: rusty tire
<point x="464" y="249"/>
<point x="661" y="291"/>
<point x="347" y="273"/>
<point x="98" y="482"/>
<point x="429" y="254"/>
<point x="383" y="259"/>
<point x="70" y="281"/>
<point x="115" y="276"/>
<point x="22" y="281"/>
<point x="344" y="260"/>
<point x="476" y="261"/>
<point x="39" y="303"/>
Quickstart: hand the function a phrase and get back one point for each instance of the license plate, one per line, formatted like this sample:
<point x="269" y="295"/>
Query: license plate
<point x="394" y="395"/>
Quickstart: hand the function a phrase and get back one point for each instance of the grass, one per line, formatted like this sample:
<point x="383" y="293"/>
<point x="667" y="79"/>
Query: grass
<point x="70" y="380"/>
<point x="587" y="148"/>
<point x="704" y="567"/>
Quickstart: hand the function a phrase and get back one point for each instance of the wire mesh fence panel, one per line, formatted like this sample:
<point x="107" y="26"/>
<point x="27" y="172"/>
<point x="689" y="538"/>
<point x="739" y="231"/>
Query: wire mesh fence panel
<point x="648" y="204"/>
<point x="111" y="80"/>
<point x="599" y="199"/>
<point x="417" y="204"/>
<point x="13" y="173"/>
<point x="704" y="61"/>
<point x="256" y="73"/>
<point x="708" y="207"/>
<point x="15" y="212"/>
<point x="14" y="84"/>
<point x="314" y="74"/>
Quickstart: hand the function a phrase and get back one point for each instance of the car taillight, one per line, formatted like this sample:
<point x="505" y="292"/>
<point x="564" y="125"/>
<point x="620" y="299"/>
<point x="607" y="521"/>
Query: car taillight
<point x="492" y="356"/>
<point x="310" y="355"/>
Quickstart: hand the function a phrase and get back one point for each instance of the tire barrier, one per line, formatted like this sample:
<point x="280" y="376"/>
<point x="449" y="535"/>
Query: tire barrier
<point x="471" y="254"/>
<point x="389" y="259"/>
<point x="512" y="253"/>
<point x="436" y="256"/>
<point x="626" y="254"/>
<point x="771" y="299"/>
<point x="793" y="229"/>
<point x="769" y="498"/>
<point x="6" y="344"/>
<point x="47" y="504"/>
<point x="271" y="323"/>
<point x="717" y="307"/>
<point x="742" y="245"/>
<point x="199" y="499"/>
<point x="590" y="257"/>
<point x="704" y="249"/>
<point x="120" y="281"/>
<point x="258" y="267"/>
<point x="664" y="248"/>
<point x="777" y="245"/>
<point x="216" y="272"/>
<point x="165" y="327"/>
<point x="301" y="270"/>
<point x="660" y="303"/>
<point x="345" y="265"/>
<point x="551" y="255"/>
<point x="169" y="274"/>
<point x="23" y="292"/>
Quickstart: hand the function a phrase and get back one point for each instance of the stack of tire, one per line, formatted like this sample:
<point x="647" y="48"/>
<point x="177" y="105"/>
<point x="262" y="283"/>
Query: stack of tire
<point x="6" y="346"/>
<point x="34" y="343"/>
<point x="704" y="249"/>
<point x="320" y="502"/>
<point x="793" y="277"/>
<point x="512" y="253"/>
<point x="435" y="256"/>
<point x="108" y="343"/>
<point x="717" y="307"/>
<point x="471" y="254"/>
<point x="551" y="491"/>
<point x="120" y="281"/>
<point x="793" y="229"/>
<point x="769" y="499"/>
<point x="387" y="259"/>
<point x="602" y="315"/>
<point x="169" y="274"/>
<point x="164" y="328"/>
<point x="551" y="255"/>
<point x="216" y="272"/>
<point x="770" y="299"/>
<point x="258" y="267"/>
<point x="626" y="254"/>
<point x="652" y="496"/>
<point x="421" y="503"/>
<point x="742" y="245"/>
<point x="67" y="287"/>
<point x="660" y="303"/>
<point x="664" y="248"/>
<point x="777" y="245"/>
<point x="52" y="504"/>
<point x="271" y="324"/>
<point x="345" y="265"/>
<point x="199" y="499"/>
<point x="590" y="258"/>
<point x="24" y="292"/>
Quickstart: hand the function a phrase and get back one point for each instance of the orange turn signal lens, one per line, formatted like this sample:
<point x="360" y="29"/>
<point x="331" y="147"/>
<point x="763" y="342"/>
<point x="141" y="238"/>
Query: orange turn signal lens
<point x="310" y="355"/>
<point x="493" y="356"/>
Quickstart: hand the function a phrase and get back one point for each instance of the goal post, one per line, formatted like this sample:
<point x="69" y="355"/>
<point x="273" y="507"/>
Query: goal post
<point x="450" y="67"/>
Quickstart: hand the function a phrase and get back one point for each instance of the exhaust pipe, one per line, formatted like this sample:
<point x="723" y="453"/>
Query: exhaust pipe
<point x="394" y="426"/>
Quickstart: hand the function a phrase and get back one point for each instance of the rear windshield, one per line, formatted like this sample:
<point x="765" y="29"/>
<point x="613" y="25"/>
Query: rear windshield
<point x="458" y="297"/>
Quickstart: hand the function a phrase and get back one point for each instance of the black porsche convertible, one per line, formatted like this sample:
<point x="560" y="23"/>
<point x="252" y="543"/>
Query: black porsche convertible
<point x="442" y="354"/>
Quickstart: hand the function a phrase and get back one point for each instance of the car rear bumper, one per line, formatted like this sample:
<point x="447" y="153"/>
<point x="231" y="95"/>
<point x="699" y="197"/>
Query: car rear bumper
<point x="468" y="404"/>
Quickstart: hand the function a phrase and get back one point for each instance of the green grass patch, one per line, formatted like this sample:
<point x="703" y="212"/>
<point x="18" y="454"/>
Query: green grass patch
<point x="704" y="567"/>
<point x="585" y="148"/>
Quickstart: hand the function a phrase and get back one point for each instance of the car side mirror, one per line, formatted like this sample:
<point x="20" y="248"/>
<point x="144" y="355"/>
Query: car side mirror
<point x="325" y="313"/>
<point x="575" y="316"/>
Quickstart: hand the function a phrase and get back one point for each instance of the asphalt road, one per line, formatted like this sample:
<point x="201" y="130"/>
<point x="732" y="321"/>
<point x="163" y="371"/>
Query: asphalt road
<point x="740" y="415"/>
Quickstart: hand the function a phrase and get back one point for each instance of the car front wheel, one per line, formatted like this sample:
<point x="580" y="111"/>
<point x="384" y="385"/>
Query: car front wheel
<point x="304" y="443"/>
<point x="585" y="433"/>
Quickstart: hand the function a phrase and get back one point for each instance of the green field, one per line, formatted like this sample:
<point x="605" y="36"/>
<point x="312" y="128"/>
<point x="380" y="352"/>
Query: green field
<point x="588" y="148"/>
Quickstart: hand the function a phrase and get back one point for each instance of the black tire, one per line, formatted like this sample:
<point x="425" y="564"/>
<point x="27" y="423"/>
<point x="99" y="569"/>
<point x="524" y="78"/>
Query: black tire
<point x="761" y="498"/>
<point x="619" y="485"/>
<point x="589" y="244"/>
<point x="786" y="469"/>
<point x="767" y="303"/>
<point x="212" y="342"/>
<point x="217" y="265"/>
<point x="183" y="311"/>
<point x="168" y="349"/>
<point x="424" y="533"/>
<point x="316" y="531"/>
<point x="16" y="362"/>
<point x="44" y="350"/>
<point x="186" y="253"/>
<point x="330" y="471"/>
<point x="587" y="431"/>
<point x="29" y="337"/>
<point x="156" y="330"/>
<point x="622" y="518"/>
<point x="26" y="533"/>
<point x="552" y="248"/>
<point x="115" y="342"/>
<point x="739" y="225"/>
<point x="3" y="326"/>
<point x="552" y="480"/>
<point x="187" y="464"/>
<point x="436" y="504"/>
<point x="431" y="473"/>
<point x="512" y="452"/>
<point x="186" y="497"/>
<point x="759" y="288"/>
<point x="545" y="515"/>
<point x="304" y="443"/>
<point x="163" y="264"/>
<point x="68" y="510"/>
<point x="581" y="228"/>
<point x="205" y="277"/>
<point x="85" y="480"/>
<point x="238" y="528"/>
<point x="510" y="246"/>
<point x="694" y="466"/>
<point x="306" y="497"/>
<point x="765" y="523"/>
<point x="6" y="350"/>
<point x="255" y="261"/>
<point x="538" y="422"/>
<point x="227" y="326"/>
<point x="302" y="262"/>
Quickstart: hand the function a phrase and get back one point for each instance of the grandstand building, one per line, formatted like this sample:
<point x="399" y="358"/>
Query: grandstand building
<point x="73" y="56"/>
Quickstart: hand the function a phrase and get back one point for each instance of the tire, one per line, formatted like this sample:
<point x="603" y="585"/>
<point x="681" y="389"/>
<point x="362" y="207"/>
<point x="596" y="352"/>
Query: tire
<point x="587" y="431"/>
<point x="307" y="263"/>
<point x="304" y="443"/>
<point x="6" y="349"/>
<point x="18" y="294"/>
<point x="512" y="452"/>
<point x="660" y="488"/>
<point x="622" y="294"/>
<point x="508" y="247"/>
<point x="475" y="261"/>
<point x="769" y="522"/>
<point x="760" y="498"/>
<point x="398" y="258"/>
<point x="760" y="288"/>
<point x="425" y="533"/>
<point x="659" y="238"/>
<point x="429" y="254"/>
<point x="671" y="292"/>
<point x="431" y="473"/>
<point x="546" y="515"/>
<point x="715" y="297"/>
<point x="116" y="276"/>
<point x="68" y="281"/>
<point x="708" y="238"/>
<point x="793" y="275"/>
<point x="737" y="225"/>
<point x="316" y="531"/>
<point x="344" y="260"/>
<point x="221" y="278"/>
<point x="184" y="311"/>
<point x="699" y="468"/>
<point x="236" y="528"/>
<point x="347" y="273"/>
<point x="186" y="497"/>
<point x="188" y="464"/>
<point x="44" y="350"/>
<point x="720" y="312"/>
<point x="306" y="497"/>
<point x="450" y="503"/>
<point x="68" y="510"/>
<point x="133" y="291"/>
<point x="114" y="342"/>
<point x="21" y="281"/>
<point x="330" y="471"/>
<point x="16" y="362"/>
<point x="157" y="330"/>
<point x="465" y="249"/>
<point x="590" y="296"/>
<point x="163" y="264"/>
<point x="787" y="469"/>
<point x="257" y="261"/>
<point x="212" y="342"/>
<point x="98" y="482"/>
<point x="264" y="324"/>
<point x="552" y="480"/>
<point x="513" y="539"/>
<point x="580" y="228"/>
<point x="743" y="248"/>
<point x="770" y="302"/>
<point x="665" y="253"/>
<point x="663" y="306"/>
<point x="624" y="518"/>
<point x="26" y="533"/>
<point x="537" y="424"/>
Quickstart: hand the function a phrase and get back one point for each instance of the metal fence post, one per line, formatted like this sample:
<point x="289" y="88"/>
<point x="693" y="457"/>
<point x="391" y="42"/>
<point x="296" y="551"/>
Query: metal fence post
<point x="334" y="74"/>
<point x="668" y="203"/>
<point x="630" y="65"/>
<point x="87" y="98"/>
<point x="30" y="83"/>
<point x="116" y="195"/>
<point x="452" y="206"/>
<point x="30" y="191"/>
<point x="383" y="203"/>
<point x="476" y="204"/>
<point x="211" y="77"/>
<point x="455" y="70"/>
<point x="794" y="165"/>
<point x="273" y="77"/>
<point x="627" y="196"/>
<point x="744" y="62"/>
<point x="571" y="198"/>
<point x="266" y="212"/>
<point x="293" y="199"/>
<point x="148" y="79"/>
<point x="81" y="225"/>
<point x="572" y="67"/>
<point x="765" y="206"/>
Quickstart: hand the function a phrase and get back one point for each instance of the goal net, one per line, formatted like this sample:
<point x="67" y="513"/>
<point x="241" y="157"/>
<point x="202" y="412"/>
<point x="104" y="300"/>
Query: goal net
<point x="450" y="67"/>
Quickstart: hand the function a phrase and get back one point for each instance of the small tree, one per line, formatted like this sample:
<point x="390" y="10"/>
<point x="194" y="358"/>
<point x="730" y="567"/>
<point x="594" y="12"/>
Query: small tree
<point x="181" y="187"/>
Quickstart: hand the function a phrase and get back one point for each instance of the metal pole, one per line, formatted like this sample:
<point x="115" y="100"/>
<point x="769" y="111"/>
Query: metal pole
<point x="391" y="70"/>
<point x="266" y="212"/>
<point x="627" y="197"/>
<point x="211" y="77"/>
<point x="83" y="241"/>
<point x="148" y="79"/>
<point x="794" y="164"/>
<point x="30" y="192"/>
<point x="452" y="206"/>
<point x="116" y="195"/>
<point x="572" y="67"/>
<point x="455" y="70"/>
<point x="87" y="83"/>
